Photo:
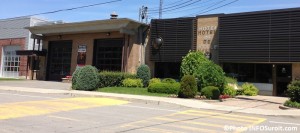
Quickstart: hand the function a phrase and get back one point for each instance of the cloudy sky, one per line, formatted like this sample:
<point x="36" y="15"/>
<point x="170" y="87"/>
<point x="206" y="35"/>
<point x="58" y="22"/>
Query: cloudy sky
<point x="130" y="8"/>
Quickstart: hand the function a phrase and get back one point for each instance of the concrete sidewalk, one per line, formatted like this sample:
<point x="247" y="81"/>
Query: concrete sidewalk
<point x="192" y="103"/>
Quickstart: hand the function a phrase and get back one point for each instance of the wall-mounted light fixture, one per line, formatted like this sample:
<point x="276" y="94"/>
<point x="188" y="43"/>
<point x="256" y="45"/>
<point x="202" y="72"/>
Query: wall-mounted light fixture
<point x="157" y="42"/>
<point x="59" y="37"/>
<point x="108" y="34"/>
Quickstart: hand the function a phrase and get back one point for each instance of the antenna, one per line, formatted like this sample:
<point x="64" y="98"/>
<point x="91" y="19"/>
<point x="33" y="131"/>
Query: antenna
<point x="143" y="14"/>
<point x="160" y="8"/>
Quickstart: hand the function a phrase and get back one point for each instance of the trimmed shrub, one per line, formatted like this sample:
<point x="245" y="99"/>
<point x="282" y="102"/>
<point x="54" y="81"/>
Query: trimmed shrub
<point x="154" y="80"/>
<point x="211" y="74"/>
<point x="210" y="92"/>
<point x="292" y="104"/>
<point x="188" y="87"/>
<point x="249" y="89"/>
<point x="168" y="80"/>
<point x="293" y="91"/>
<point x="167" y="88"/>
<point x="230" y="80"/>
<point x="113" y="79"/>
<point x="132" y="82"/>
<point x="75" y="77"/>
<point x="143" y="72"/>
<point x="87" y="78"/>
<point x="206" y="72"/>
<point x="229" y="90"/>
<point x="239" y="91"/>
<point x="192" y="62"/>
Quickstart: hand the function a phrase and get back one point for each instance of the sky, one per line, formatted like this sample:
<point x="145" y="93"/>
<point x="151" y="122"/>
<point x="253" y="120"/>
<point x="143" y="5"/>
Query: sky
<point x="130" y="8"/>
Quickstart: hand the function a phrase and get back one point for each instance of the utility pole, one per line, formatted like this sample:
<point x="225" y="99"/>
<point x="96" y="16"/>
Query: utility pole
<point x="160" y="8"/>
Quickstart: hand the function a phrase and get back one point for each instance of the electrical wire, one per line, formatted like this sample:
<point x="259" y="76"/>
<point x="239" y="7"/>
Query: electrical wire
<point x="68" y="9"/>
<point x="169" y="6"/>
<point x="156" y="8"/>
<point x="197" y="7"/>
<point x="213" y="8"/>
<point x="182" y="6"/>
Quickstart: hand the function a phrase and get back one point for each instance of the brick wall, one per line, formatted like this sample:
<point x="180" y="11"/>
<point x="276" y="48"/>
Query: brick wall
<point x="88" y="39"/>
<point x="296" y="71"/>
<point x="15" y="42"/>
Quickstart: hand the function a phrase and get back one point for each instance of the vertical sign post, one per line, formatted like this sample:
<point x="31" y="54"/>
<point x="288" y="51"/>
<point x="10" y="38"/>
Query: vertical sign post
<point x="81" y="57"/>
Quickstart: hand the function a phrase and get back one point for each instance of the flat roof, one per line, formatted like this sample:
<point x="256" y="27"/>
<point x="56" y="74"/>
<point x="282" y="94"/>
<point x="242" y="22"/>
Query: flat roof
<point x="264" y="11"/>
<point x="120" y="24"/>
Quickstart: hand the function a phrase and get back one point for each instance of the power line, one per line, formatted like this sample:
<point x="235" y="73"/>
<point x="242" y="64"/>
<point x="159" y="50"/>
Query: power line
<point x="155" y="8"/>
<point x="181" y="6"/>
<point x="69" y="9"/>
<point x="215" y="7"/>
<point x="172" y="5"/>
<point x="197" y="7"/>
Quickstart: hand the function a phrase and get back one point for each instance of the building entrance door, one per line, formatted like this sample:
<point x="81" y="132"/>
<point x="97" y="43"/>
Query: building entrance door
<point x="59" y="60"/>
<point x="283" y="78"/>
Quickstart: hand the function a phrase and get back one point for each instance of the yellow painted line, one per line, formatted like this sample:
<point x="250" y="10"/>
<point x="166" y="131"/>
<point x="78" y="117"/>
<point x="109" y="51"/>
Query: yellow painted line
<point x="231" y="115"/>
<point x="155" y="129"/>
<point x="216" y="116"/>
<point x="253" y="124"/>
<point x="31" y="108"/>
<point x="193" y="128"/>
<point x="191" y="122"/>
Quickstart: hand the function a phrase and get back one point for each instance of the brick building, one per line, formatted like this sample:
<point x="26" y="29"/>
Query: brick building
<point x="112" y="44"/>
<point x="14" y="37"/>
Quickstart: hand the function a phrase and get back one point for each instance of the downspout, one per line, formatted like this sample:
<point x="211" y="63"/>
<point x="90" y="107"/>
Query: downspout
<point x="144" y="43"/>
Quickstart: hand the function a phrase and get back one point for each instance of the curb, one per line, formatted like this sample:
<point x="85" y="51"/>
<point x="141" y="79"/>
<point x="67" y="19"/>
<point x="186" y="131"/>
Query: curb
<point x="190" y="103"/>
<point x="249" y="98"/>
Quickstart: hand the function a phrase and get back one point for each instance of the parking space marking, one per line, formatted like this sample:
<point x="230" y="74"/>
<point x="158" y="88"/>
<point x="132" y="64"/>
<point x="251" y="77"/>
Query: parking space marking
<point x="192" y="124"/>
<point x="218" y="116"/>
<point x="32" y="108"/>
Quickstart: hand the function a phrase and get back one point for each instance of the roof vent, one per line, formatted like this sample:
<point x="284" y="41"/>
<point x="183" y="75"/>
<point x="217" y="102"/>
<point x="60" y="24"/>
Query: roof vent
<point x="113" y="15"/>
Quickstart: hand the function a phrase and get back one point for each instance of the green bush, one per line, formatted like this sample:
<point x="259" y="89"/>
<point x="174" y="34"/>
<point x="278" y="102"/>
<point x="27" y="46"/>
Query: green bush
<point x="192" y="62"/>
<point x="239" y="92"/>
<point x="154" y="80"/>
<point x="230" y="80"/>
<point x="113" y="79"/>
<point x="292" y="104"/>
<point x="211" y="74"/>
<point x="167" y="88"/>
<point x="206" y="72"/>
<point x="132" y="82"/>
<point x="293" y="91"/>
<point x="143" y="72"/>
<point x="249" y="89"/>
<point x="210" y="92"/>
<point x="75" y="77"/>
<point x="188" y="87"/>
<point x="229" y="90"/>
<point x="168" y="80"/>
<point x="87" y="78"/>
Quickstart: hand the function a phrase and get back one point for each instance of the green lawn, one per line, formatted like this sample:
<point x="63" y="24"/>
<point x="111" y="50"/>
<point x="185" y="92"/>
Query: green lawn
<point x="134" y="91"/>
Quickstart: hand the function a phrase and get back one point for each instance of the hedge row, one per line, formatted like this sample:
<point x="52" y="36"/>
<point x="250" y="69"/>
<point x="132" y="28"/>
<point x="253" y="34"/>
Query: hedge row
<point x="113" y="79"/>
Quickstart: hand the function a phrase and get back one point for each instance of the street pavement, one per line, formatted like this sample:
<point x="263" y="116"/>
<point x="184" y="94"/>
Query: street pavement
<point x="31" y="112"/>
